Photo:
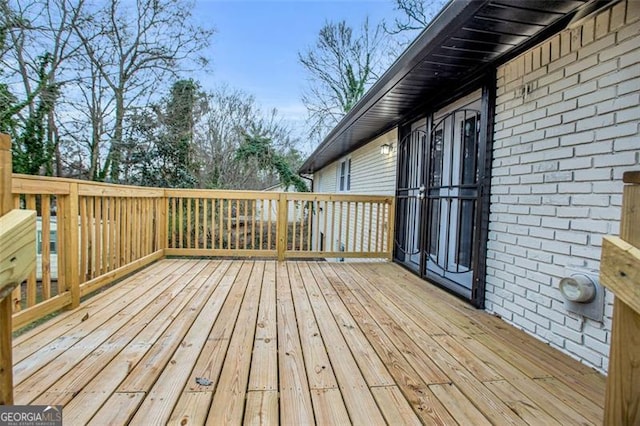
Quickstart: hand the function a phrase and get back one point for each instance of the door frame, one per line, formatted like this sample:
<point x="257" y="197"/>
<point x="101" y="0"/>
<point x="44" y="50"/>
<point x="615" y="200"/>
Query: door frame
<point x="487" y="102"/>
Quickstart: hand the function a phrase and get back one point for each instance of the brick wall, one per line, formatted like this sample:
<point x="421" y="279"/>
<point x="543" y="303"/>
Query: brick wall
<point x="566" y="128"/>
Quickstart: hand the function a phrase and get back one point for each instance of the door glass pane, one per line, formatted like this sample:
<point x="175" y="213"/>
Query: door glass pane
<point x="467" y="230"/>
<point x="469" y="133"/>
<point x="436" y="157"/>
<point x="434" y="226"/>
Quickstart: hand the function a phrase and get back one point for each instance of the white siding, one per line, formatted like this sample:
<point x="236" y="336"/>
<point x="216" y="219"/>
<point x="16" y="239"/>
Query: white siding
<point x="372" y="173"/>
<point x="566" y="128"/>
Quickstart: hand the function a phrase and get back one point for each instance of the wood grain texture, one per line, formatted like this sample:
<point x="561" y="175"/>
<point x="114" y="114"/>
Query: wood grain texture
<point x="622" y="403"/>
<point x="249" y="328"/>
<point x="6" y="302"/>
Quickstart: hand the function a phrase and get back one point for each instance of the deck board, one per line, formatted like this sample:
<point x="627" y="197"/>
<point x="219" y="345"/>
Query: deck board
<point x="295" y="343"/>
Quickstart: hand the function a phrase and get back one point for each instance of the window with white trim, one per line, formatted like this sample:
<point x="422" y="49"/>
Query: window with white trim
<point x="344" y="175"/>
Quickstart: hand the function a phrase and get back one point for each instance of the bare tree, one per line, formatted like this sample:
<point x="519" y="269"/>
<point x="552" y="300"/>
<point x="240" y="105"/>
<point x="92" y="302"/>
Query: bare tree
<point x="133" y="49"/>
<point x="36" y="55"/>
<point x="416" y="15"/>
<point x="341" y="66"/>
<point x="229" y="116"/>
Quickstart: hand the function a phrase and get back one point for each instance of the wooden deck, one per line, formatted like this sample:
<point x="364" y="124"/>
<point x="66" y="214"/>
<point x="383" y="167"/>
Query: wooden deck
<point x="296" y="343"/>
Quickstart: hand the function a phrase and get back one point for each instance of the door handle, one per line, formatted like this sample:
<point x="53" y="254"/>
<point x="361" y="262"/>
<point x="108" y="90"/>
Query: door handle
<point x="421" y="192"/>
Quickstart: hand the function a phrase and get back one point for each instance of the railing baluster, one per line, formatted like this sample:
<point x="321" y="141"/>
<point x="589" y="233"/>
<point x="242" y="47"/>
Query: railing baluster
<point x="244" y="223"/>
<point x="97" y="267"/>
<point x="205" y="226"/>
<point x="308" y="210"/>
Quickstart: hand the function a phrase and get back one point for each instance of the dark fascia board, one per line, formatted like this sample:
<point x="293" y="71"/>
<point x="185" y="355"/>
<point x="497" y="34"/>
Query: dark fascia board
<point x="455" y="12"/>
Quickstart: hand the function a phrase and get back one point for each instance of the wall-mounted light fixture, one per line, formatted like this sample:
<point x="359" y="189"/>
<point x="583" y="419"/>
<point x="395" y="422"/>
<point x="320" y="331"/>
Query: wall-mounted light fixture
<point x="582" y="293"/>
<point x="578" y="288"/>
<point x="386" y="149"/>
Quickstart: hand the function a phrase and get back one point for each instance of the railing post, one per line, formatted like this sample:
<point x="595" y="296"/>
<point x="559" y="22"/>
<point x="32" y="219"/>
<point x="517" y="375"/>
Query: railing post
<point x="163" y="222"/>
<point x="622" y="401"/>
<point x="6" y="309"/>
<point x="71" y="246"/>
<point x="391" y="226"/>
<point x="282" y="225"/>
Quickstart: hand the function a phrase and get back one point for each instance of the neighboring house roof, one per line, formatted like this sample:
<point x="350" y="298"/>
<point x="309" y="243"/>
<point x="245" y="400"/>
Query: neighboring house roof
<point x="457" y="47"/>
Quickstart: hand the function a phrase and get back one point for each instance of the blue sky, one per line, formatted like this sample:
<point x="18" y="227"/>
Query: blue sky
<point x="256" y="43"/>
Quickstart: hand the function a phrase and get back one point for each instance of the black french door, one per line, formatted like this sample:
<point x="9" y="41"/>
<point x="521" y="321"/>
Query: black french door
<point x="439" y="199"/>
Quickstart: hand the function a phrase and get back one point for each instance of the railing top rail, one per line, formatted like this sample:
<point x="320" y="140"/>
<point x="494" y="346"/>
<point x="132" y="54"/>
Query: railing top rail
<point x="631" y="177"/>
<point x="220" y="193"/>
<point x="28" y="184"/>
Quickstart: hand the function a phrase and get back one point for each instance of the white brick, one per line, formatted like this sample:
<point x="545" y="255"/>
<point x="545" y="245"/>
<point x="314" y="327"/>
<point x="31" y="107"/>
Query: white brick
<point x="560" y="130"/>
<point x="628" y="86"/>
<point x="590" y="225"/>
<point x="566" y="333"/>
<point x="608" y="187"/>
<point x="590" y="200"/>
<point x="586" y="251"/>
<point x="577" y="138"/>
<point x="597" y="97"/>
<point x="524" y="323"/>
<point x="542" y="233"/>
<point x="592" y="175"/>
<point x="597" y="71"/>
<point x="562" y="177"/>
<point x="543" y="210"/>
<point x="621" y="159"/>
<point x="628" y="114"/>
<point x="573" y="212"/>
<point x="584" y="64"/>
<point x="557" y="200"/>
<point x="594" y="148"/>
<point x="574" y="187"/>
<point x="596" y="122"/>
<point x="619" y="103"/>
<point x="578" y="113"/>
<point x="551" y="314"/>
<point x="583" y="352"/>
<point x="538" y="319"/>
<point x="611" y="214"/>
<point x="596" y="346"/>
<point x="571" y="237"/>
<point x="558" y="177"/>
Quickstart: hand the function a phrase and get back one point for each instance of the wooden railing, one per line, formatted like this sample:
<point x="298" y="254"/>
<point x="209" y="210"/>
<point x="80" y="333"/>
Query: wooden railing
<point x="282" y="225"/>
<point x="17" y="259"/>
<point x="91" y="234"/>
<point x="620" y="273"/>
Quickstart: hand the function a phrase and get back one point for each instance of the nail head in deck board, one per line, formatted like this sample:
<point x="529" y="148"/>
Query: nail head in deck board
<point x="264" y="365"/>
<point x="394" y="406"/>
<point x="462" y="410"/>
<point x="319" y="371"/>
<point x="520" y="404"/>
<point x="228" y="400"/>
<point x="295" y="400"/>
<point x="193" y="410"/>
<point x="329" y="407"/>
<point x="570" y="397"/>
<point x="118" y="409"/>
<point x="261" y="408"/>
